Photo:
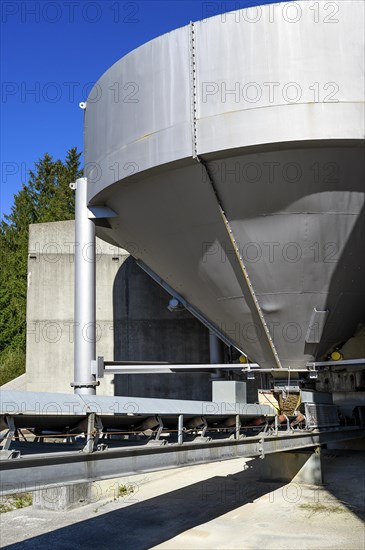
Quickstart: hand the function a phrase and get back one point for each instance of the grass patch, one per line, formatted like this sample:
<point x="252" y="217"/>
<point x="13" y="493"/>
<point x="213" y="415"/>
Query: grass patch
<point x="14" y="502"/>
<point x="319" y="508"/>
<point x="125" y="490"/>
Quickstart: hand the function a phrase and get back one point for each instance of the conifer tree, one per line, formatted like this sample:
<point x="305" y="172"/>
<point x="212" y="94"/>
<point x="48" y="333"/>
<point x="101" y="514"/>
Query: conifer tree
<point x="46" y="197"/>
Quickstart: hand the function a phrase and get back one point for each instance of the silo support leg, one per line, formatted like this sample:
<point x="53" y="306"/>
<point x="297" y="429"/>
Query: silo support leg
<point x="85" y="301"/>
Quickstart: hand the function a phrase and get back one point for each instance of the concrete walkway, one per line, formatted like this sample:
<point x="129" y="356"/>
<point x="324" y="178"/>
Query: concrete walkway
<point x="214" y="506"/>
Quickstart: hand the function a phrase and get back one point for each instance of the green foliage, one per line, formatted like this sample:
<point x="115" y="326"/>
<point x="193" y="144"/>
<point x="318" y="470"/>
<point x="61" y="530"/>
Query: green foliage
<point x="46" y="197"/>
<point x="125" y="490"/>
<point x="14" y="502"/>
<point x="12" y="364"/>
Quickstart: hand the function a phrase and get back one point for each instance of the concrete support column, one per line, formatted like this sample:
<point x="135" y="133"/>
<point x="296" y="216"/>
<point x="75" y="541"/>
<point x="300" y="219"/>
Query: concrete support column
<point x="293" y="466"/>
<point x="85" y="293"/>
<point x="63" y="498"/>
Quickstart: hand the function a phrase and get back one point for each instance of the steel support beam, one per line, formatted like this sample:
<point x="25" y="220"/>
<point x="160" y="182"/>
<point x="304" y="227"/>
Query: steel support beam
<point x="100" y="366"/>
<point x="37" y="472"/>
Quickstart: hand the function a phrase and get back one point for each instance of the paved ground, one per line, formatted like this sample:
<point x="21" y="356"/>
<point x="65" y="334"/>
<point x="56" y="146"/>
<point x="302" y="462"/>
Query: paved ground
<point x="212" y="506"/>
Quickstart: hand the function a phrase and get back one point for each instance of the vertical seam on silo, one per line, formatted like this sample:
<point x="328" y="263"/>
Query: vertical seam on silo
<point x="193" y="93"/>
<point x="243" y="267"/>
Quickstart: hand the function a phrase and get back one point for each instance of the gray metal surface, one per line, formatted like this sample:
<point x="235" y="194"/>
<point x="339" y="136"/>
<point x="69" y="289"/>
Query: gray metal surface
<point x="216" y="349"/>
<point x="84" y="293"/>
<point x="101" y="367"/>
<point x="279" y="52"/>
<point x="32" y="473"/>
<point x="250" y="208"/>
<point x="229" y="390"/>
<point x="42" y="403"/>
<point x="321" y="415"/>
<point x="147" y="94"/>
<point x="310" y="396"/>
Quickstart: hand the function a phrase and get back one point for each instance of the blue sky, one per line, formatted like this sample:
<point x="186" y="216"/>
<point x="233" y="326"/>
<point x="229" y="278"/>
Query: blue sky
<point x="52" y="53"/>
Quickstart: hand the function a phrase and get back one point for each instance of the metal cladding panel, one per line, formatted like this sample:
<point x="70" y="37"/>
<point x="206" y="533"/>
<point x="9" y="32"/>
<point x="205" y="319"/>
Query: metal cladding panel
<point x="298" y="220"/>
<point x="179" y="233"/>
<point x="278" y="178"/>
<point x="138" y="114"/>
<point x="280" y="73"/>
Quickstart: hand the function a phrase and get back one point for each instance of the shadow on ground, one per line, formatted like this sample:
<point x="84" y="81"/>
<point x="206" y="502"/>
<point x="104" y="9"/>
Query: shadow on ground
<point x="344" y="478"/>
<point x="142" y="525"/>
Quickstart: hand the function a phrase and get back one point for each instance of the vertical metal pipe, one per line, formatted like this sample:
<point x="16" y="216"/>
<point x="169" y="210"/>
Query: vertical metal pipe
<point x="238" y="426"/>
<point x="216" y="349"/>
<point x="180" y="428"/>
<point x="216" y="353"/>
<point x="85" y="294"/>
<point x="276" y="424"/>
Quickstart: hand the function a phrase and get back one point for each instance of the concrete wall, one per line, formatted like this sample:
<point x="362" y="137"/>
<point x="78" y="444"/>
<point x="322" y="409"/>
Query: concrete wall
<point x="50" y="305"/>
<point x="145" y="330"/>
<point x="133" y="322"/>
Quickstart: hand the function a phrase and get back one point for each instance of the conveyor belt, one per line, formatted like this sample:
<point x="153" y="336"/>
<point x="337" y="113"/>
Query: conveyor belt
<point x="73" y="438"/>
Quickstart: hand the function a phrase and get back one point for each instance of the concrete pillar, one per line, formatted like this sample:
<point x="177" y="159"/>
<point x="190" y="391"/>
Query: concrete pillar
<point x="293" y="466"/>
<point x="63" y="498"/>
